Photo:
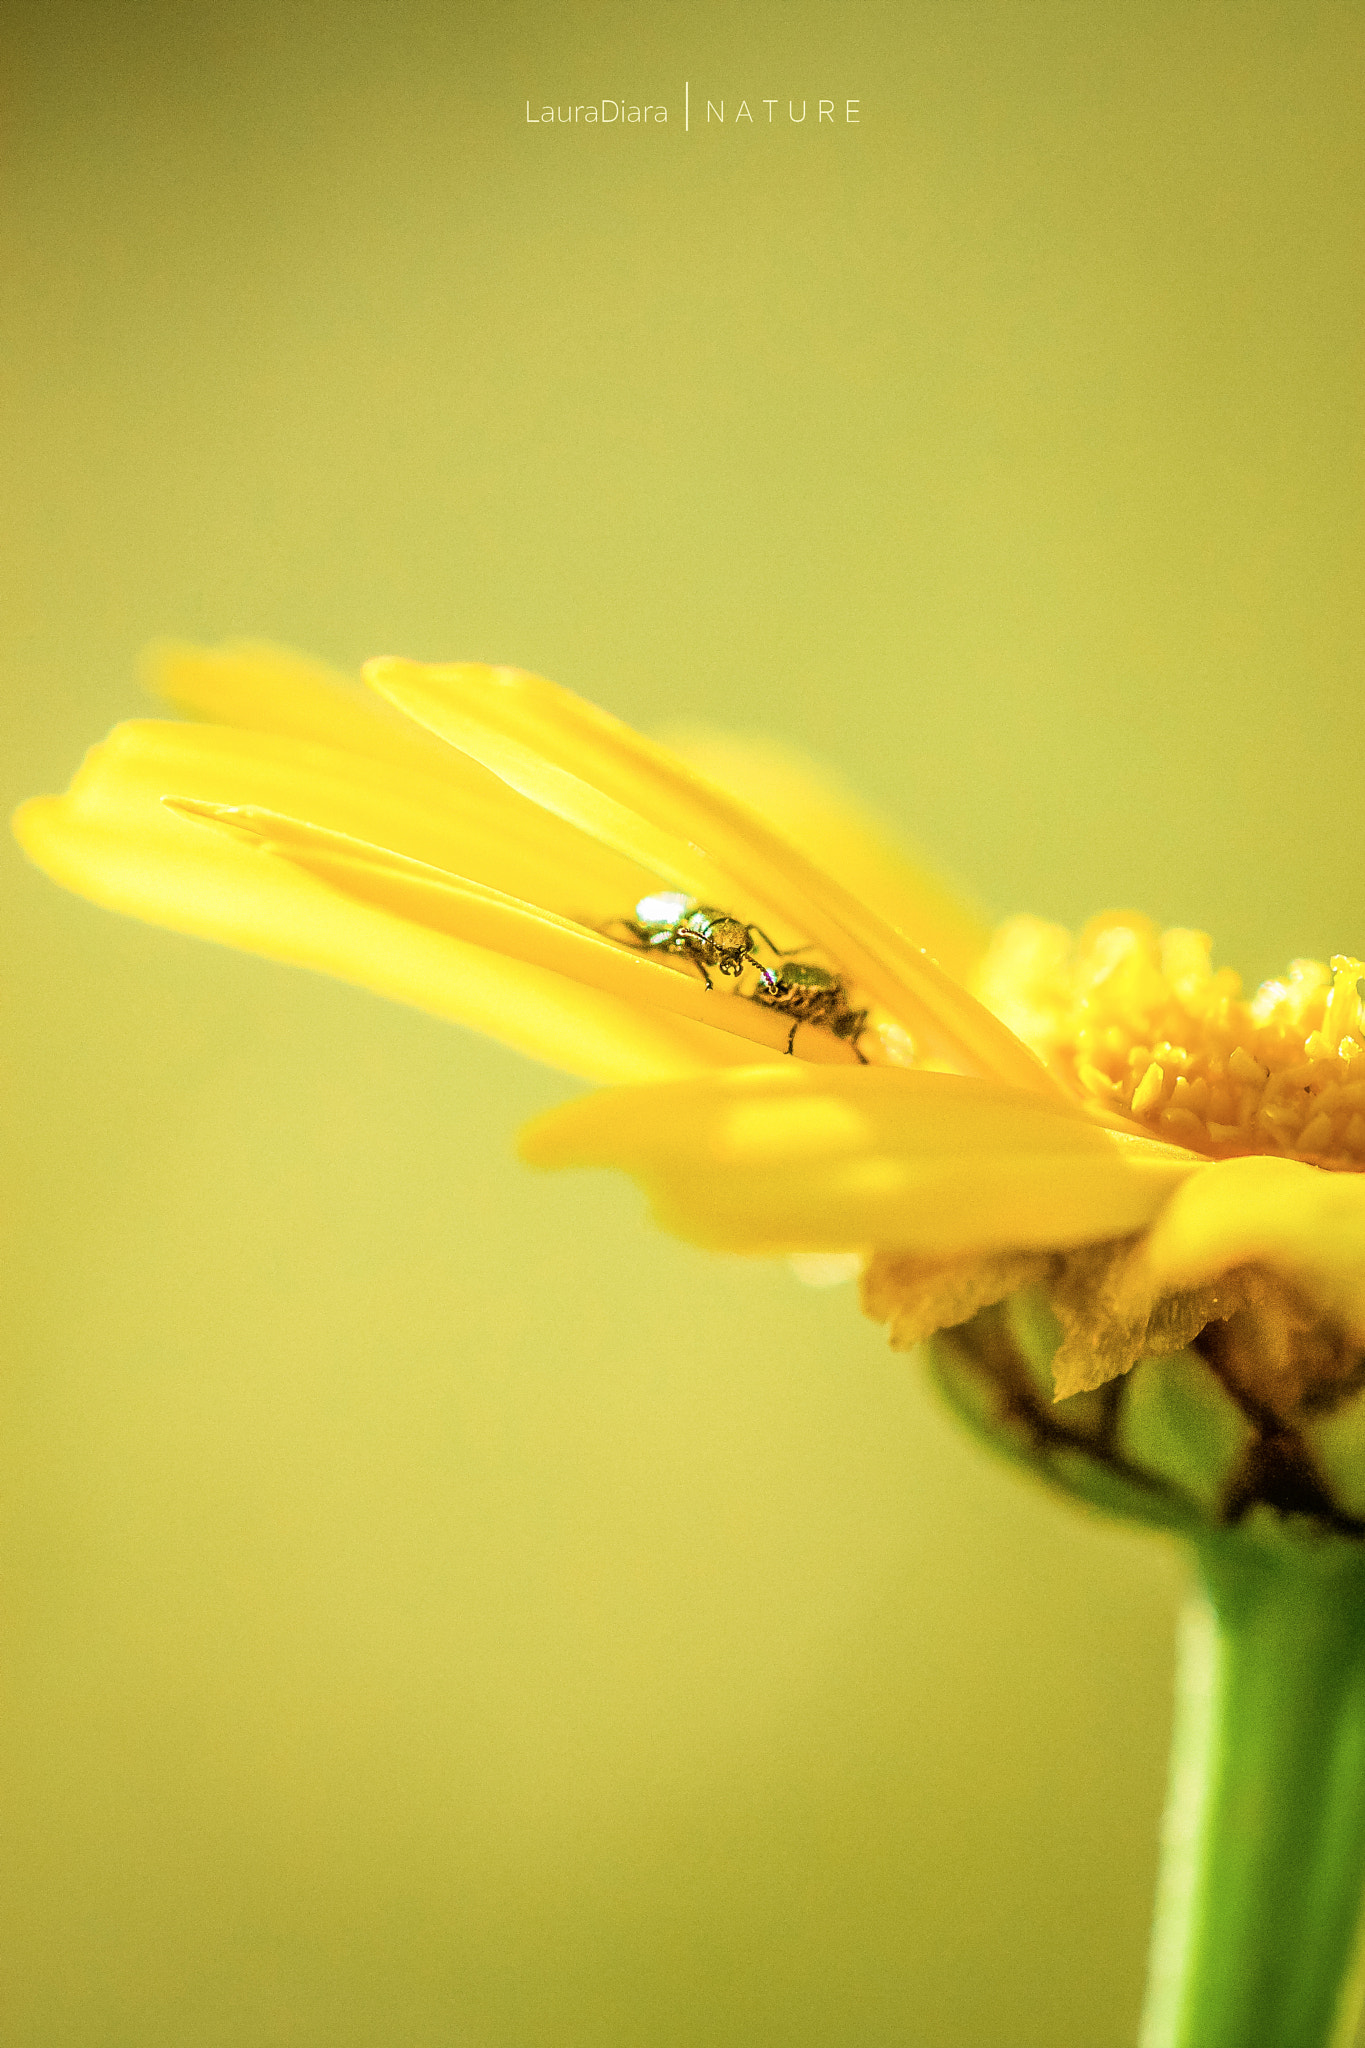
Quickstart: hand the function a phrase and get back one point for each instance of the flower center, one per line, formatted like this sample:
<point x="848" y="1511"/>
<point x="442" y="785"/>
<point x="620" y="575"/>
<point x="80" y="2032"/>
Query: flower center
<point x="1140" y="1024"/>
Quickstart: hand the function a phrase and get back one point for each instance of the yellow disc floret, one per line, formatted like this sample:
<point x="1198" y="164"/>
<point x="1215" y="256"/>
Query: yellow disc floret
<point x="1142" y="1027"/>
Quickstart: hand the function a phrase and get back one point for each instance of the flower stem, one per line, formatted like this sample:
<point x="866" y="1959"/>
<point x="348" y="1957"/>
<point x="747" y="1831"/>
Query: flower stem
<point x="1263" y="1864"/>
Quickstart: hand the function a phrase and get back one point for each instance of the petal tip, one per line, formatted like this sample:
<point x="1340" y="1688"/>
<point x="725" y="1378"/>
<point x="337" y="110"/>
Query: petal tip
<point x="380" y="667"/>
<point x="26" y="822"/>
<point x="158" y="660"/>
<point x="548" y="1140"/>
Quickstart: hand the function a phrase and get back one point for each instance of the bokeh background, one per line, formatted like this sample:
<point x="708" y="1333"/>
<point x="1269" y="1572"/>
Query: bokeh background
<point x="439" y="1609"/>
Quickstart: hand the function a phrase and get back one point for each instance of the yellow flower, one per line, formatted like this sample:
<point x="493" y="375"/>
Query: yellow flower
<point x="1112" y="1123"/>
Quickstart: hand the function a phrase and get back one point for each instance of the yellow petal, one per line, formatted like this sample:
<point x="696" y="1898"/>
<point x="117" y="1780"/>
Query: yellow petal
<point x="115" y="843"/>
<point x="578" y="761"/>
<point x="812" y="810"/>
<point x="266" y="689"/>
<point x="453" y="814"/>
<point x="537" y="776"/>
<point x="437" y="901"/>
<point x="1304" y="1222"/>
<point x="794" y="1159"/>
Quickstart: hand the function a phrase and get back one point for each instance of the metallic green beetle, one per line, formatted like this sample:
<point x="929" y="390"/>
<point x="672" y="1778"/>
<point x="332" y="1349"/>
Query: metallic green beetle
<point x="812" y="995"/>
<point x="674" y="923"/>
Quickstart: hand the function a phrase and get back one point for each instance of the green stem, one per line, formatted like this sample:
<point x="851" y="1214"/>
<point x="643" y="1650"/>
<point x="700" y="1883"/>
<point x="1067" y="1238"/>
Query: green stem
<point x="1263" y="1865"/>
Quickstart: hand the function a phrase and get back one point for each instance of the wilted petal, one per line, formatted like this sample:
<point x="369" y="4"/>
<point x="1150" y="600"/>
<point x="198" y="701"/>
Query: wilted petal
<point x="915" y="1296"/>
<point x="1114" y="1311"/>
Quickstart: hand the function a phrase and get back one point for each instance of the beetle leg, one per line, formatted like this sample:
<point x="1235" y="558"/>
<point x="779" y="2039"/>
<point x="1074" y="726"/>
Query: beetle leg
<point x="694" y="945"/>
<point x="782" y="952"/>
<point x="852" y="1028"/>
<point x="791" y="1038"/>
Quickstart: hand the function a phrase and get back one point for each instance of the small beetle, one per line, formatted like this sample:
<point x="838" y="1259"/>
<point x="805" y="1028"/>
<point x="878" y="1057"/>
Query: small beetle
<point x="811" y="995"/>
<point x="674" y="923"/>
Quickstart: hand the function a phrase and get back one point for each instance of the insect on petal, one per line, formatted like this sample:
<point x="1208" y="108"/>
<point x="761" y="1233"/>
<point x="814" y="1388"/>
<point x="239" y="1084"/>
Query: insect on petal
<point x="567" y="754"/>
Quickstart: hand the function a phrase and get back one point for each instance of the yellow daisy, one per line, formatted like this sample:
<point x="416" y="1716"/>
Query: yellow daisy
<point x="1123" y="1204"/>
<point x="1109" y="1124"/>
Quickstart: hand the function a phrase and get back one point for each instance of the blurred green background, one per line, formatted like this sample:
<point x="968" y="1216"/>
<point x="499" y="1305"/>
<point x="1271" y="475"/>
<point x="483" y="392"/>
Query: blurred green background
<point x="413" y="1635"/>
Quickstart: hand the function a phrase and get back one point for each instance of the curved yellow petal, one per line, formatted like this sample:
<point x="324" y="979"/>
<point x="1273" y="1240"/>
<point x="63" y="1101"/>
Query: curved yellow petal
<point x="567" y="795"/>
<point x="463" y="819"/>
<point x="267" y="689"/>
<point x="573" y="757"/>
<point x="131" y="853"/>
<point x="812" y="809"/>
<point x="1305" y="1222"/>
<point x="803" y="1159"/>
<point x="438" y="901"/>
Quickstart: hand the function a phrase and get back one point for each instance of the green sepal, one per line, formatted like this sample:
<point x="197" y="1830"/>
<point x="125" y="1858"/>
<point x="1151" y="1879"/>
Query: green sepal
<point x="1127" y="1499"/>
<point x="1178" y="1421"/>
<point x="969" y="1371"/>
<point x="1337" y="1442"/>
<point x="1037" y="1333"/>
<point x="976" y="1399"/>
<point x="1173" y="1444"/>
